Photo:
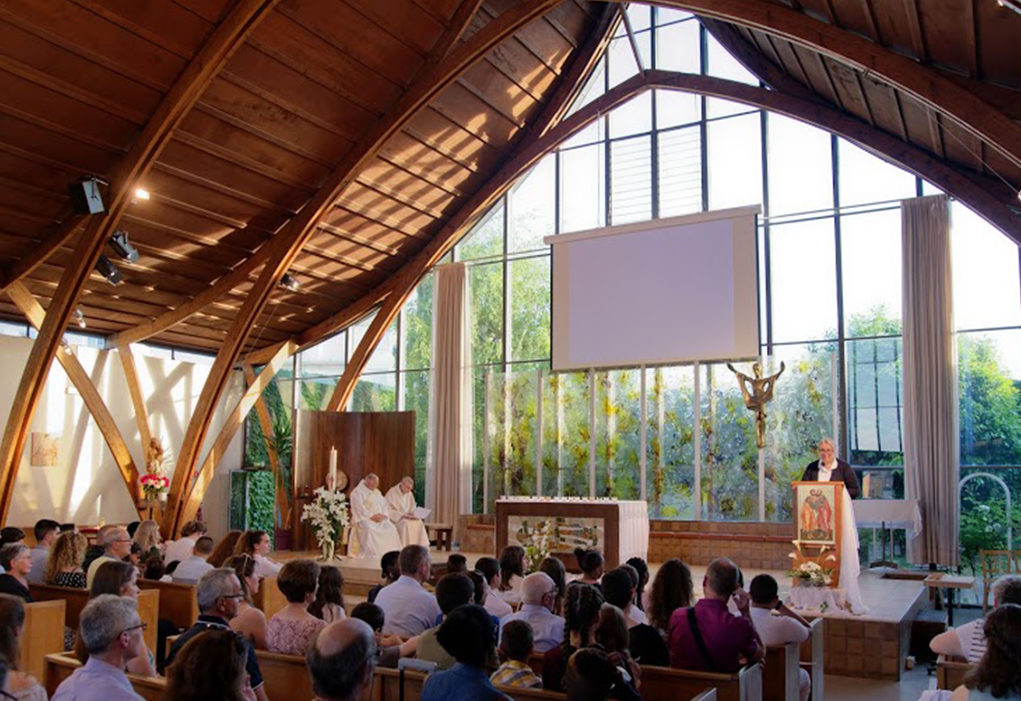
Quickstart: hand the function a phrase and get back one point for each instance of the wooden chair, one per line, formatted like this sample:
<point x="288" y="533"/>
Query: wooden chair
<point x="43" y="634"/>
<point x="668" y="684"/>
<point x="950" y="672"/>
<point x="59" y="667"/>
<point x="995" y="563"/>
<point x="75" y="600"/>
<point x="177" y="602"/>
<point x="285" y="676"/>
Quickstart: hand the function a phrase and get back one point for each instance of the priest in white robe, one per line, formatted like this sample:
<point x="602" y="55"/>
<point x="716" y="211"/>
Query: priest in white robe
<point x="400" y="501"/>
<point x="373" y="531"/>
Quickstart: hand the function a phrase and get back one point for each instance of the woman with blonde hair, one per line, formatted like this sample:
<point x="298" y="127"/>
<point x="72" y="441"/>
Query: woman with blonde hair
<point x="19" y="685"/>
<point x="64" y="567"/>
<point x="250" y="621"/>
<point x="147" y="537"/>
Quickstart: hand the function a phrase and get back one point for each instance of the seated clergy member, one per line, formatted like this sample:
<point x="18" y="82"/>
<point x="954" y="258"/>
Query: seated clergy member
<point x="538" y="596"/>
<point x="112" y="632"/>
<point x="46" y="532"/>
<point x="217" y="595"/>
<point x="408" y="607"/>
<point x="830" y="468"/>
<point x="707" y="636"/>
<point x="400" y="502"/>
<point x="373" y="531"/>
<point x="191" y="569"/>
<point x="116" y="544"/>
<point x="777" y="624"/>
<point x="341" y="660"/>
<point x="181" y="549"/>
<point x="968" y="640"/>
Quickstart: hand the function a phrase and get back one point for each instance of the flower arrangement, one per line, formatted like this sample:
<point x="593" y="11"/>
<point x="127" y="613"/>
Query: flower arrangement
<point x="536" y="541"/>
<point x="812" y="572"/>
<point x="328" y="516"/>
<point x="154" y="485"/>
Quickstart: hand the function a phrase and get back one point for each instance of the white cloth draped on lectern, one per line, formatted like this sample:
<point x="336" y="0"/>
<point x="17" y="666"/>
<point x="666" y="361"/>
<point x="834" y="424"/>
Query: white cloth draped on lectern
<point x="849" y="567"/>
<point x="374" y="538"/>
<point x="400" y="505"/>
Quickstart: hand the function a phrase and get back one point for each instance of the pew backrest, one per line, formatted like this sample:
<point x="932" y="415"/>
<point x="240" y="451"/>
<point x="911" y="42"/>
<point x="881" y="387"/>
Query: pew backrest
<point x="59" y="667"/>
<point x="812" y="657"/>
<point x="43" y="634"/>
<point x="75" y="599"/>
<point x="269" y="598"/>
<point x="284" y="676"/>
<point x="668" y="684"/>
<point x="177" y="602"/>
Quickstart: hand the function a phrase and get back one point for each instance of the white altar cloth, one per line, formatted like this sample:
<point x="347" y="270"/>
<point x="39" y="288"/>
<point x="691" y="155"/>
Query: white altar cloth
<point x="894" y="513"/>
<point x="813" y="598"/>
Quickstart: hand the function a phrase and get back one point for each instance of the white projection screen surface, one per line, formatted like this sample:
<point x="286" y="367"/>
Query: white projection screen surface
<point x="666" y="291"/>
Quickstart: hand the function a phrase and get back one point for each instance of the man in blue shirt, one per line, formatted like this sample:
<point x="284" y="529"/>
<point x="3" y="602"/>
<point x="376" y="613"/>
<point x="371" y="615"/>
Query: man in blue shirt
<point x="467" y="634"/>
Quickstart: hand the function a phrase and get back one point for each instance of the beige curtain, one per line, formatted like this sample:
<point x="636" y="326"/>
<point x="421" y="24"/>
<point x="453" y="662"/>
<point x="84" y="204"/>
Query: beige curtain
<point x="448" y="483"/>
<point x="931" y="434"/>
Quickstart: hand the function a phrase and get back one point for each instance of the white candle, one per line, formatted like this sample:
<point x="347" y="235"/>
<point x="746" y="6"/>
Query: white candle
<point x="333" y="468"/>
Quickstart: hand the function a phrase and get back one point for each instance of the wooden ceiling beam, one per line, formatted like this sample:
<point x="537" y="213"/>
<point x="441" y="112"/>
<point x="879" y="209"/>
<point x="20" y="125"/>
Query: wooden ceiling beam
<point x="90" y="395"/>
<point x="158" y="131"/>
<point x="186" y="491"/>
<point x="137" y="397"/>
<point x="925" y="84"/>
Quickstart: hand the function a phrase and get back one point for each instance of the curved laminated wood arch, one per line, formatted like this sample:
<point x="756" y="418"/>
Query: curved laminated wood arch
<point x="156" y="134"/>
<point x="982" y="194"/>
<point x="183" y="499"/>
<point x="91" y="397"/>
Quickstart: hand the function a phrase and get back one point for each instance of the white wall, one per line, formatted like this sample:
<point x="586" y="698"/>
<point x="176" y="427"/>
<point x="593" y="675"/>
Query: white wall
<point x="86" y="482"/>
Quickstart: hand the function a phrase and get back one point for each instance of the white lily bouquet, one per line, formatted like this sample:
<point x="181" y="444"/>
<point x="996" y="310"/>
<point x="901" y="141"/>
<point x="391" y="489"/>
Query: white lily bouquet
<point x="328" y="516"/>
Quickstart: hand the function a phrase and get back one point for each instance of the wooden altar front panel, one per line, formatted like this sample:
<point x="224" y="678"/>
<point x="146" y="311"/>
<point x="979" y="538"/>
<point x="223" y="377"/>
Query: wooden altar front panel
<point x="609" y="512"/>
<point x="379" y="442"/>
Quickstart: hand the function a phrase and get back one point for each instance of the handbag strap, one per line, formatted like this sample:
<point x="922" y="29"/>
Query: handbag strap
<point x="697" y="634"/>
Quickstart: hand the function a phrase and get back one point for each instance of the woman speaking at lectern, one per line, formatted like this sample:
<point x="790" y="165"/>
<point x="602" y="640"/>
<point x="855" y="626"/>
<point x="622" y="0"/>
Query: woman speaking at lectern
<point x="830" y="468"/>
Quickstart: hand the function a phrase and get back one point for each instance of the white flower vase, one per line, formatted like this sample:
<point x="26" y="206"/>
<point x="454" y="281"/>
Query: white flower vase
<point x="329" y="550"/>
<point x="161" y="497"/>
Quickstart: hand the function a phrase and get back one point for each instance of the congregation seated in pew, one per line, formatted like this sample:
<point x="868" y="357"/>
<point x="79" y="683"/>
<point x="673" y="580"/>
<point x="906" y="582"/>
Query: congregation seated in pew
<point x="256" y="544"/>
<point x="967" y="641"/>
<point x="64" y="566"/>
<point x="391" y="647"/>
<point x="777" y="624"/>
<point x="19" y="685"/>
<point x="116" y="545"/>
<point x="341" y="660"/>
<point x="46" y="532"/>
<point x="468" y="634"/>
<point x="120" y="579"/>
<point x="538" y="598"/>
<point x="192" y="567"/>
<point x="16" y="559"/>
<point x="516" y="647"/>
<point x="181" y="549"/>
<point x="409" y="608"/>
<point x="250" y="620"/>
<point x="998" y="673"/>
<point x="292" y="629"/>
<point x="211" y="665"/>
<point x="452" y="591"/>
<point x="329" y="601"/>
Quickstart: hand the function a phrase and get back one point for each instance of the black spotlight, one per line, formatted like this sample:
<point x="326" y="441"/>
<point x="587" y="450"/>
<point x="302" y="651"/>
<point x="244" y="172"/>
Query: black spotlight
<point x="290" y="283"/>
<point x="108" y="270"/>
<point x="85" y="196"/>
<point x="122" y="247"/>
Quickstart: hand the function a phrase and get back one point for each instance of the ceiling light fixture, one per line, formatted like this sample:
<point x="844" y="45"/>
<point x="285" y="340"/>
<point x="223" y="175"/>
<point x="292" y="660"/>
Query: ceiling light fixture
<point x="108" y="270"/>
<point x="85" y="196"/>
<point x="141" y="194"/>
<point x="1014" y="5"/>
<point x="122" y="247"/>
<point x="79" y="317"/>
<point x="290" y="283"/>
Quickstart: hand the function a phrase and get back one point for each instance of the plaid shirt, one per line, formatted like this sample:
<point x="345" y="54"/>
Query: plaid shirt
<point x="516" y="674"/>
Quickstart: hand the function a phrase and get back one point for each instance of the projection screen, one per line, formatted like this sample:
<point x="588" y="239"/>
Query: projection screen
<point x="667" y="291"/>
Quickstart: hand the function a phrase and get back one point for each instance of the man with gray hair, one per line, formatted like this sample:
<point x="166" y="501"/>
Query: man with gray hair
<point x="217" y="595"/>
<point x="538" y="597"/>
<point x="400" y="503"/>
<point x="341" y="660"/>
<point x="969" y="640"/>
<point x="116" y="544"/>
<point x="112" y="634"/>
<point x="374" y="534"/>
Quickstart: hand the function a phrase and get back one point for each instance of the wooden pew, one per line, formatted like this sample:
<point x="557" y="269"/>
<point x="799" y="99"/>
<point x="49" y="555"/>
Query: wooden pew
<point x="780" y="678"/>
<point x="812" y="658"/>
<point x="59" y="667"/>
<point x="177" y="602"/>
<point x="269" y="598"/>
<point x="950" y="672"/>
<point x="667" y="684"/>
<point x="285" y="676"/>
<point x="43" y="634"/>
<point x="75" y="600"/>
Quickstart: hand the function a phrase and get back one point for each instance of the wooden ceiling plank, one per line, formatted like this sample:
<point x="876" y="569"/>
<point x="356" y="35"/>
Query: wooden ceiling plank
<point x="191" y="143"/>
<point x="151" y="22"/>
<point x="183" y="499"/>
<point x="930" y="87"/>
<point x="90" y="395"/>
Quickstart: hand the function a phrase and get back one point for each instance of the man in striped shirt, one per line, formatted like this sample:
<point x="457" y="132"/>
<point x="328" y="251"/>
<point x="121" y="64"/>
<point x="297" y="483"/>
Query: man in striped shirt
<point x="515" y="649"/>
<point x="968" y="641"/>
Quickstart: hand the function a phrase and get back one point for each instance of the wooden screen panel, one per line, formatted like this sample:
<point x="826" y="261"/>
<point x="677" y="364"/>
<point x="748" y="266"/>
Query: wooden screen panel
<point x="379" y="442"/>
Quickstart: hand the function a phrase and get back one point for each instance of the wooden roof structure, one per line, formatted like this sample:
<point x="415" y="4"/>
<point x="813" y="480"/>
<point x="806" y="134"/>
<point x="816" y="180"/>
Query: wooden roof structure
<point x="349" y="143"/>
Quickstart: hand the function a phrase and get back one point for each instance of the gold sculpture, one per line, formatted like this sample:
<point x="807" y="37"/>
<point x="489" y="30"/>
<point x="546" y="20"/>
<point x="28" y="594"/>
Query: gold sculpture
<point x="757" y="391"/>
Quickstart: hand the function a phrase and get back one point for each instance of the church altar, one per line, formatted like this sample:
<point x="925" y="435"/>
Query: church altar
<point x="620" y="529"/>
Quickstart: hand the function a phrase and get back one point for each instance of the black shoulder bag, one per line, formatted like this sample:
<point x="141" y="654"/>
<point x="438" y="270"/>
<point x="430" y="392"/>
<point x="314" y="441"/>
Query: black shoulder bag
<point x="697" y="634"/>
